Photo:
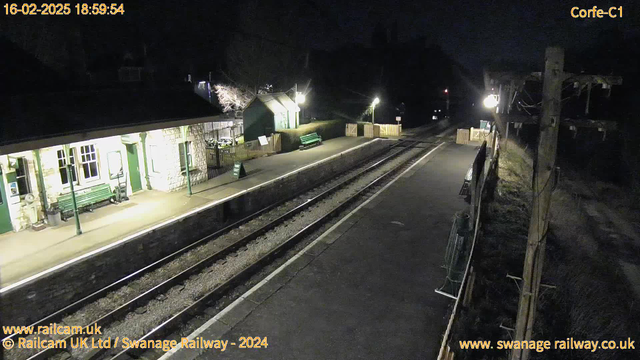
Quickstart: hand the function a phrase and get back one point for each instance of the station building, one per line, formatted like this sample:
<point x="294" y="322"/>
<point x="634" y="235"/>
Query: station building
<point x="269" y="113"/>
<point x="135" y="137"/>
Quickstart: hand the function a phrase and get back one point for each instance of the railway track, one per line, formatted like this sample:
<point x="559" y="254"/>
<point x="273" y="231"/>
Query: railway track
<point x="111" y="316"/>
<point x="219" y="291"/>
<point x="230" y="250"/>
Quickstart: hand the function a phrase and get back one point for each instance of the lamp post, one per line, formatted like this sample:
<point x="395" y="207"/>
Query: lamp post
<point x="70" y="172"/>
<point x="184" y="129"/>
<point x="299" y="98"/>
<point x="375" y="102"/>
<point x="446" y="91"/>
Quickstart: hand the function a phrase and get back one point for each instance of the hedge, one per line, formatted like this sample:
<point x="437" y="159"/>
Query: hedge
<point x="327" y="129"/>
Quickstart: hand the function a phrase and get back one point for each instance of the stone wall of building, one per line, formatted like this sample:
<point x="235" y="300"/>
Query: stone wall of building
<point x="163" y="147"/>
<point x="113" y="144"/>
<point x="163" y="163"/>
<point x="33" y="300"/>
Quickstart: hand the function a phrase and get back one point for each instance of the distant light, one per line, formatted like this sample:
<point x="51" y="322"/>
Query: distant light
<point x="446" y="90"/>
<point x="300" y="98"/>
<point x="490" y="101"/>
<point x="439" y="110"/>
<point x="376" y="101"/>
<point x="434" y="117"/>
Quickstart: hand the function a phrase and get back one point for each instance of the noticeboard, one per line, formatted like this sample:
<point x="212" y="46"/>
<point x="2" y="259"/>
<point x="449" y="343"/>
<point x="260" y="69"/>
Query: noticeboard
<point x="238" y="170"/>
<point x="263" y="140"/>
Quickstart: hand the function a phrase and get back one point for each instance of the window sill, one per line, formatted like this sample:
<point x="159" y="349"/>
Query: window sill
<point x="88" y="182"/>
<point x="192" y="171"/>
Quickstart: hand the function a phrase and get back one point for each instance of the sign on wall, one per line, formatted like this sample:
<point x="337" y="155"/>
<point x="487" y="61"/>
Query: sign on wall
<point x="13" y="189"/>
<point x="114" y="160"/>
<point x="263" y="140"/>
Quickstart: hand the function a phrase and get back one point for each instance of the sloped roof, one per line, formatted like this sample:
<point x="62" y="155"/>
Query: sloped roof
<point x="41" y="116"/>
<point x="277" y="102"/>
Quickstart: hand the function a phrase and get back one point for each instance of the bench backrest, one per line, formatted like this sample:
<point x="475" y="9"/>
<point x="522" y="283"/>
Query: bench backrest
<point x="85" y="197"/>
<point x="309" y="137"/>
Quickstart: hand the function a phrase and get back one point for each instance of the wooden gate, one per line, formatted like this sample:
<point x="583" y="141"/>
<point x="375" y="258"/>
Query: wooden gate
<point x="351" y="130"/>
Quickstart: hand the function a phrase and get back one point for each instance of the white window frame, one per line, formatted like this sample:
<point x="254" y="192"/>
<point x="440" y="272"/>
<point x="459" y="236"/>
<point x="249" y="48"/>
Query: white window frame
<point x="89" y="155"/>
<point x="23" y="165"/>
<point x="74" y="167"/>
<point x="181" y="148"/>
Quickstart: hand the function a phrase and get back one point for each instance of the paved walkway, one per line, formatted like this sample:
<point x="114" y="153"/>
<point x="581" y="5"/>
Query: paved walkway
<point x="29" y="252"/>
<point x="365" y="288"/>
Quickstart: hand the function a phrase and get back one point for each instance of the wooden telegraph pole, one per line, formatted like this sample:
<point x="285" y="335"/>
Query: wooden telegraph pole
<point x="542" y="187"/>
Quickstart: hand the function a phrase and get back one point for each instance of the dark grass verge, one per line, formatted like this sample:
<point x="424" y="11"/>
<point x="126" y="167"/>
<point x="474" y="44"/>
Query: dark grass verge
<point x="499" y="251"/>
<point x="592" y="299"/>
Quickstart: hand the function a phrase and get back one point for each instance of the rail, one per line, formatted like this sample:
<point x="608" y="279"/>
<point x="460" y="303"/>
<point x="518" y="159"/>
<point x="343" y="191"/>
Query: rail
<point x="250" y="270"/>
<point x="143" y="298"/>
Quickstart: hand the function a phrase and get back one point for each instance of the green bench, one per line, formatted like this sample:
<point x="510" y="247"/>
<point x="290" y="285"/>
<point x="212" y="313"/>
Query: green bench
<point x="310" y="140"/>
<point x="84" y="198"/>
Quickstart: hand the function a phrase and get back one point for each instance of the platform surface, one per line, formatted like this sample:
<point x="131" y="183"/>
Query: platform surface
<point x="28" y="252"/>
<point x="364" y="289"/>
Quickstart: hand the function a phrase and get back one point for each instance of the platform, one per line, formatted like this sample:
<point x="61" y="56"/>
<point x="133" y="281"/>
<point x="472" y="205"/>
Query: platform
<point x="365" y="288"/>
<point x="28" y="252"/>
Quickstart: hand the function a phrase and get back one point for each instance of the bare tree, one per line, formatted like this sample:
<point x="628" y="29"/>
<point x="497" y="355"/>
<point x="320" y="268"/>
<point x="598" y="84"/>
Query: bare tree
<point x="264" y="50"/>
<point x="232" y="98"/>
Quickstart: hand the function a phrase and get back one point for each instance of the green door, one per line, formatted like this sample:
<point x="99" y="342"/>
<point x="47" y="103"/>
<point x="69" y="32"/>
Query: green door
<point x="5" y="218"/>
<point x="134" y="167"/>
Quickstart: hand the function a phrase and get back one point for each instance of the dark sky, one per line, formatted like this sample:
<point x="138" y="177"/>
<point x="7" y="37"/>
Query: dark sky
<point x="476" y="31"/>
<point x="472" y="32"/>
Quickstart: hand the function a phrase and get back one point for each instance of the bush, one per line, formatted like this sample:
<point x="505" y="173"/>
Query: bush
<point x="327" y="129"/>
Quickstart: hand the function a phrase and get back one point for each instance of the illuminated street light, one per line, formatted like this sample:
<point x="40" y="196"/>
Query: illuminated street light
<point x="375" y="102"/>
<point x="490" y="101"/>
<point x="300" y="98"/>
<point x="446" y="91"/>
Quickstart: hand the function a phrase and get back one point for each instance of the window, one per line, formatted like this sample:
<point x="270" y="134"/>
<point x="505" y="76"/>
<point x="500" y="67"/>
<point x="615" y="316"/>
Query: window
<point x="114" y="160"/>
<point x="62" y="166"/>
<point x="22" y="176"/>
<point x="181" y="147"/>
<point x="89" y="161"/>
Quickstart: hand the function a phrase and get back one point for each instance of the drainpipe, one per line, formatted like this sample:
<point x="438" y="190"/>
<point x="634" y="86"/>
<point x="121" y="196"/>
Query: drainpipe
<point x="143" y="138"/>
<point x="43" y="191"/>
<point x="73" y="193"/>
<point x="185" y="129"/>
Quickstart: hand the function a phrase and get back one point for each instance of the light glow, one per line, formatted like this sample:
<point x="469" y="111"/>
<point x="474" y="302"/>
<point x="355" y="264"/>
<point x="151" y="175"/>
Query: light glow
<point x="490" y="101"/>
<point x="300" y="98"/>
<point x="376" y="101"/>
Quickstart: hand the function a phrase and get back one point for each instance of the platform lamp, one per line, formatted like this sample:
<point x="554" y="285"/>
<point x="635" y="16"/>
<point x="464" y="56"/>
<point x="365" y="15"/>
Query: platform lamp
<point x="70" y="172"/>
<point x="490" y="101"/>
<point x="375" y="102"/>
<point x="446" y="91"/>
<point x="300" y="99"/>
